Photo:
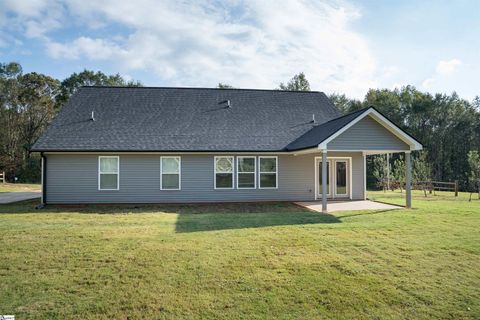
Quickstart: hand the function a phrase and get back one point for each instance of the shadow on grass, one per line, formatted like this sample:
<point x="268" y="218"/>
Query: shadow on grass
<point x="196" y="217"/>
<point x="364" y="213"/>
<point x="215" y="221"/>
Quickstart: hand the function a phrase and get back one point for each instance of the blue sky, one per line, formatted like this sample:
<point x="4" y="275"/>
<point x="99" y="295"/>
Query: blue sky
<point x="342" y="46"/>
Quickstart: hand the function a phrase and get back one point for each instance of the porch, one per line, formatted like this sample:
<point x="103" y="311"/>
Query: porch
<point x="341" y="148"/>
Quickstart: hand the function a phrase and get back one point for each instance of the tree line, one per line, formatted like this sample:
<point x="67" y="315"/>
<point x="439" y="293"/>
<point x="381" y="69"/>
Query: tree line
<point x="28" y="102"/>
<point x="447" y="125"/>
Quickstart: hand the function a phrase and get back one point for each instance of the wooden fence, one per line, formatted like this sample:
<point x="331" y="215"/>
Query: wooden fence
<point x="2" y="177"/>
<point x="430" y="186"/>
<point x="433" y="186"/>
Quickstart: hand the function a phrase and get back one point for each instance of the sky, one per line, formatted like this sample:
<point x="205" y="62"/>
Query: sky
<point x="341" y="46"/>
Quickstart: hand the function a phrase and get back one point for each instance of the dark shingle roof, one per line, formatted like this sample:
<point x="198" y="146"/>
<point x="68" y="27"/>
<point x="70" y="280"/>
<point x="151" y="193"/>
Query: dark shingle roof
<point x="187" y="119"/>
<point x="323" y="131"/>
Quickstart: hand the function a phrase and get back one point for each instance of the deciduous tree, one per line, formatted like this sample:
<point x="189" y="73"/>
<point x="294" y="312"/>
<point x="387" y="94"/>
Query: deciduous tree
<point x="298" y="83"/>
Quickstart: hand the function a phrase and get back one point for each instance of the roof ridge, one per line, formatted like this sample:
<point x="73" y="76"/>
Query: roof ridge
<point x="203" y="88"/>
<point x="348" y="114"/>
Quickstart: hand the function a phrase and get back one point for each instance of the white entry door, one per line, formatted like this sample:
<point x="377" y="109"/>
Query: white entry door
<point x="338" y="178"/>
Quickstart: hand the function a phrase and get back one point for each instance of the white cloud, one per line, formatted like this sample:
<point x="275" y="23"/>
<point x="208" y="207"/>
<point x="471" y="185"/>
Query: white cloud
<point x="245" y="43"/>
<point x="443" y="72"/>
<point x="33" y="18"/>
<point x="428" y="83"/>
<point x="94" y="49"/>
<point x="448" y="67"/>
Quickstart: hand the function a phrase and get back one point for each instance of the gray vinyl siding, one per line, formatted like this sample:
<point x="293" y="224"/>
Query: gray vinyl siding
<point x="367" y="134"/>
<point x="73" y="178"/>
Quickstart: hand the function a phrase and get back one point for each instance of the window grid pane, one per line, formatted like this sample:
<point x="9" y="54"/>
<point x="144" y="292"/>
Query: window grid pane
<point x="108" y="181"/>
<point x="246" y="164"/>
<point x="268" y="180"/>
<point x="109" y="165"/>
<point x="268" y="164"/>
<point x="224" y="165"/>
<point x="170" y="165"/>
<point x="224" y="180"/>
<point x="170" y="181"/>
<point x="246" y="180"/>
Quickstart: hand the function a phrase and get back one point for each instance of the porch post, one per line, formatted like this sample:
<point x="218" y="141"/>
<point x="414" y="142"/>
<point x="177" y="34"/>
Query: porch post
<point x="324" y="180"/>
<point x="364" y="154"/>
<point x="408" y="179"/>
<point x="42" y="179"/>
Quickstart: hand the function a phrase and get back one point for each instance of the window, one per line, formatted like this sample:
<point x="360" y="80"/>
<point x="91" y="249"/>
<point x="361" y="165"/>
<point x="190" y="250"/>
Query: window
<point x="223" y="173"/>
<point x="268" y="172"/>
<point x="246" y="170"/>
<point x="108" y="173"/>
<point x="170" y="169"/>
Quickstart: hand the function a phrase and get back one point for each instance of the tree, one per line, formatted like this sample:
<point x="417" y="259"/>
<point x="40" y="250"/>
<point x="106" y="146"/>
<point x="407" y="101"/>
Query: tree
<point x="90" y="78"/>
<point x="298" y="83"/>
<point x="474" y="175"/>
<point x="344" y="104"/>
<point x="399" y="172"/>
<point x="380" y="170"/>
<point x="27" y="104"/>
<point x="221" y="85"/>
<point x="422" y="170"/>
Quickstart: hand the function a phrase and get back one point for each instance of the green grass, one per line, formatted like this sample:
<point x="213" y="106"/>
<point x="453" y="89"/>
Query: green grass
<point x="234" y="261"/>
<point x="18" y="187"/>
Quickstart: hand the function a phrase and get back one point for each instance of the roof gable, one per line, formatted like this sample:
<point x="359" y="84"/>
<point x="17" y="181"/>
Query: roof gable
<point x="321" y="136"/>
<point x="367" y="134"/>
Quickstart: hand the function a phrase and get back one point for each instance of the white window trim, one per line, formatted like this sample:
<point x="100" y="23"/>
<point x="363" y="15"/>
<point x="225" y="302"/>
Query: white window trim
<point x="179" y="173"/>
<point x="232" y="158"/>
<point x="260" y="172"/>
<point x="117" y="173"/>
<point x="254" y="172"/>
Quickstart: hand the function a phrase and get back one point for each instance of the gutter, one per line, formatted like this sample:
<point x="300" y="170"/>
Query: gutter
<point x="44" y="183"/>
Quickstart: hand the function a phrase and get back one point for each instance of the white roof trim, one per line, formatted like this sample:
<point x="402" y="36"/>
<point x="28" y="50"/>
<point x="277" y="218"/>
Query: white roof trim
<point x="377" y="116"/>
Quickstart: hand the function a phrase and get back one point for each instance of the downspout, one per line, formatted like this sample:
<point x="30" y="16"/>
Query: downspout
<point x="44" y="182"/>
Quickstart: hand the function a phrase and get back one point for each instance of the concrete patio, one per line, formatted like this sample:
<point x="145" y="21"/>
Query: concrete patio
<point x="334" y="206"/>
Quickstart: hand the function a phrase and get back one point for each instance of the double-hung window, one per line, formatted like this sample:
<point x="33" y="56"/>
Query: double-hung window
<point x="223" y="172"/>
<point x="268" y="168"/>
<point x="170" y="172"/>
<point x="246" y="172"/>
<point x="108" y="173"/>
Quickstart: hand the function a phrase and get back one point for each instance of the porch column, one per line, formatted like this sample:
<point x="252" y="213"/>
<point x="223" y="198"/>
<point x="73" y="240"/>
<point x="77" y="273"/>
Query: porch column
<point x="324" y="180"/>
<point x="408" y="179"/>
<point x="42" y="179"/>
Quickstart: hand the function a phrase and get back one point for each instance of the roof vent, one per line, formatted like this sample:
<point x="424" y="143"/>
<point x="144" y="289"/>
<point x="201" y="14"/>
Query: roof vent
<point x="227" y="104"/>
<point x="313" y="119"/>
<point x="93" y="116"/>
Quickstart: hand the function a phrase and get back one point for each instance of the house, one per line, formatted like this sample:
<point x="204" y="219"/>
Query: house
<point x="159" y="145"/>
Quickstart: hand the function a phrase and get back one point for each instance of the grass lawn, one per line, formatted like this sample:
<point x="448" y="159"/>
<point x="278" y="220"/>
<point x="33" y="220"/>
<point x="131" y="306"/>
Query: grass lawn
<point x="242" y="261"/>
<point x="18" y="187"/>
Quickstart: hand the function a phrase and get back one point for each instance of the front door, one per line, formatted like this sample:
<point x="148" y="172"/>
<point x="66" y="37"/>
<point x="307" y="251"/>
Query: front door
<point x="338" y="178"/>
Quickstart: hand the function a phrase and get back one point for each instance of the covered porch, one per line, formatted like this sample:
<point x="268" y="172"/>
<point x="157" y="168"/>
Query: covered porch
<point x="341" y="148"/>
<point x="328" y="175"/>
